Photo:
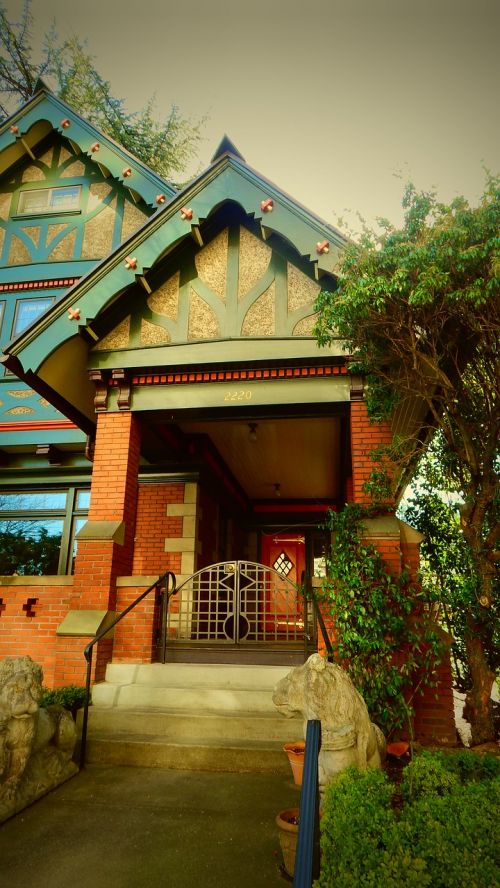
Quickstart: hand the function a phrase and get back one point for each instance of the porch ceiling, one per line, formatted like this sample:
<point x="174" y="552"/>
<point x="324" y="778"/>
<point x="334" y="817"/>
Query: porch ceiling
<point x="301" y="455"/>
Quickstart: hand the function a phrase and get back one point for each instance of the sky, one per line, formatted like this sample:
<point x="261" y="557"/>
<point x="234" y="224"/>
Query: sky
<point x="338" y="102"/>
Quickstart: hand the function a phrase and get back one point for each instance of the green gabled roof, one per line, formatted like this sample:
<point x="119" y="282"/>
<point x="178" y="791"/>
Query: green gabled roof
<point x="227" y="179"/>
<point x="44" y="112"/>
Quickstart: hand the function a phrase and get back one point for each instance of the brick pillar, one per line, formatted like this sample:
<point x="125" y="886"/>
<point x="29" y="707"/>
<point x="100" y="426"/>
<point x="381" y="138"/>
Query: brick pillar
<point x="365" y="437"/>
<point x="105" y="547"/>
<point x="106" y="543"/>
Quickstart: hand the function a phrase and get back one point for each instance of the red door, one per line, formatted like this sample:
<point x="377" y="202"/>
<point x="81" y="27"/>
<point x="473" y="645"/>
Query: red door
<point x="285" y="553"/>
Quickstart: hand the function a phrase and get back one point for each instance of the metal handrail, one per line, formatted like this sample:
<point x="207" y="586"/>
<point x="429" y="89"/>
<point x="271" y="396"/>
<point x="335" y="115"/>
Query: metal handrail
<point x="330" y="656"/>
<point x="309" y="594"/>
<point x="170" y="581"/>
<point x="307" y="861"/>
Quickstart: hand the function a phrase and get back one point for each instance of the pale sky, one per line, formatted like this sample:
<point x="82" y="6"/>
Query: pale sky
<point x="338" y="102"/>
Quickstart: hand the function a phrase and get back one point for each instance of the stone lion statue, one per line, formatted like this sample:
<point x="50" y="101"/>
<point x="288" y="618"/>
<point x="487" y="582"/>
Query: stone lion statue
<point x="36" y="745"/>
<point x="322" y="690"/>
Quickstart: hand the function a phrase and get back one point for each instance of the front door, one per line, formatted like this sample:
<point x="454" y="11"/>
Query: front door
<point x="285" y="553"/>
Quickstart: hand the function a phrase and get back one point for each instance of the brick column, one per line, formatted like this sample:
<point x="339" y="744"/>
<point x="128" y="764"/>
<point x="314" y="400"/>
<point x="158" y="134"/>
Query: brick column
<point x="105" y="546"/>
<point x="365" y="437"/>
<point x="106" y="543"/>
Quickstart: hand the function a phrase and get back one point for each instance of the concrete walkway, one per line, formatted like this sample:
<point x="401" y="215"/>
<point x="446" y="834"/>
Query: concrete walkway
<point x="124" y="827"/>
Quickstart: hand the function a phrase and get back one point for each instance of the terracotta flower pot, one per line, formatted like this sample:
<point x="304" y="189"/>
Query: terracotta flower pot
<point x="288" y="825"/>
<point x="296" y="752"/>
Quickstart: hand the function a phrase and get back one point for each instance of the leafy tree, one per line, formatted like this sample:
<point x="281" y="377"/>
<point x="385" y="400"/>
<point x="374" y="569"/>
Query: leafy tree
<point x="447" y="565"/>
<point x="419" y="311"/>
<point x="376" y="616"/>
<point x="164" y="145"/>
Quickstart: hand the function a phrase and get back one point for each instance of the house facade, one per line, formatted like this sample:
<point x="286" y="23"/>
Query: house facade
<point x="165" y="407"/>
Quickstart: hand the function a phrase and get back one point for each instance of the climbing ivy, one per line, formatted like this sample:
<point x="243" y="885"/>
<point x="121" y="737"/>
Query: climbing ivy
<point x="382" y="631"/>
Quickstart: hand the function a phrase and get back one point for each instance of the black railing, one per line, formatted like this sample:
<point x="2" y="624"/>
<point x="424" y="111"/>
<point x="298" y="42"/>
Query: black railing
<point x="310" y="596"/>
<point x="307" y="860"/>
<point x="166" y="585"/>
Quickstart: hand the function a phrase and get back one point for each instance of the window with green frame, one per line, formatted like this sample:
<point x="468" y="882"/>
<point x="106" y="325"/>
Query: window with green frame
<point x="38" y="528"/>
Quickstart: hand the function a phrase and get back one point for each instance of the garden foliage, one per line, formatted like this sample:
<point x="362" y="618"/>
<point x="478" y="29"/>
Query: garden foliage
<point x="445" y="836"/>
<point x="382" y="636"/>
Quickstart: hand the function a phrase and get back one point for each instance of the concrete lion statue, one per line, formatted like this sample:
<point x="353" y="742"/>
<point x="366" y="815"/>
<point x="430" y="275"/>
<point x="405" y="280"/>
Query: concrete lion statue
<point x="36" y="745"/>
<point x="322" y="690"/>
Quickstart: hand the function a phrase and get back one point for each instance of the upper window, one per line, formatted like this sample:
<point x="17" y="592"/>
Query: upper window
<point x="28" y="310"/>
<point x="49" y="200"/>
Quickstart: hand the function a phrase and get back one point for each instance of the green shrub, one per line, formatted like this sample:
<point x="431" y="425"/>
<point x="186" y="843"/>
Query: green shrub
<point x="471" y="766"/>
<point x="458" y="835"/>
<point x="446" y="835"/>
<point x="427" y="776"/>
<point x="71" y="697"/>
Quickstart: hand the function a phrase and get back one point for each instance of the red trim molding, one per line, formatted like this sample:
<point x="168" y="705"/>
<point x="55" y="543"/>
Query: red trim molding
<point x="39" y="285"/>
<point x="33" y="425"/>
<point x="236" y="375"/>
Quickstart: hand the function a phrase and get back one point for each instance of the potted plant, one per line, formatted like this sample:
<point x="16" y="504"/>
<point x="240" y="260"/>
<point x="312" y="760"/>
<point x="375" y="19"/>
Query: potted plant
<point x="296" y="752"/>
<point x="288" y="826"/>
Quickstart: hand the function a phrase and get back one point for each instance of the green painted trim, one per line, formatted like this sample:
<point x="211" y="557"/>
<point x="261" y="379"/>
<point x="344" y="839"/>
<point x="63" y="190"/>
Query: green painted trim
<point x="227" y="179"/>
<point x="39" y="271"/>
<point x="237" y="395"/>
<point x="45" y="106"/>
<point x="36" y="476"/>
<point x="57" y="436"/>
<point x="216" y="351"/>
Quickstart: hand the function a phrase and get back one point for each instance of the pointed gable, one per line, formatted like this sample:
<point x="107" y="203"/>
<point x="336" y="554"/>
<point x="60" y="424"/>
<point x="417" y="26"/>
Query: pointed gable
<point x="227" y="265"/>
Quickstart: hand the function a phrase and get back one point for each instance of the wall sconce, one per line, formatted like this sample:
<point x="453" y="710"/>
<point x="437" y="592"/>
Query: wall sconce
<point x="277" y="490"/>
<point x="252" y="433"/>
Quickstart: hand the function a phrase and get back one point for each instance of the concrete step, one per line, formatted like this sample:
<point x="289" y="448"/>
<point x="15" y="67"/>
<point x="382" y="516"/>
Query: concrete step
<point x="153" y="752"/>
<point x="189" y="687"/>
<point x="201" y="727"/>
<point x="200" y="675"/>
<point x="216" y="717"/>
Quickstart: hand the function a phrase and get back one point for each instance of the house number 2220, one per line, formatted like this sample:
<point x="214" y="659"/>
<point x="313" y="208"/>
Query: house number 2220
<point x="238" y="395"/>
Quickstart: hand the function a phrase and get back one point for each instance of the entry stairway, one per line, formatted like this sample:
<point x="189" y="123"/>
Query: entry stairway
<point x="191" y="717"/>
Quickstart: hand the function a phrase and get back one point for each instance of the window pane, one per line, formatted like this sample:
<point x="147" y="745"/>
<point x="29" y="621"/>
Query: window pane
<point x="34" y="201"/>
<point x="28" y="310"/>
<point x="21" y="502"/>
<point x="65" y="198"/>
<point x="83" y="499"/>
<point x="77" y="525"/>
<point x="30" y="547"/>
<point x="2" y="310"/>
<point x="49" y="200"/>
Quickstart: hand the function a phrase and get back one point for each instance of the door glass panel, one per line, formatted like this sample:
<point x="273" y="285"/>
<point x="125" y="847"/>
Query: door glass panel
<point x="283" y="564"/>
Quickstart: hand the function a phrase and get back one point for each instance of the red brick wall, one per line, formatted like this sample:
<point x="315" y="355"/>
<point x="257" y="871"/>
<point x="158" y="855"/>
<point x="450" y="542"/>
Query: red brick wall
<point x="434" y="713"/>
<point x="153" y="527"/>
<point x="365" y="437"/>
<point x="113" y="497"/>
<point x="35" y="635"/>
<point x="134" y="641"/>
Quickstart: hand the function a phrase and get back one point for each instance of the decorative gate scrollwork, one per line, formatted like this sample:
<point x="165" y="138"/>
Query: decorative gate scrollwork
<point x="237" y="602"/>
